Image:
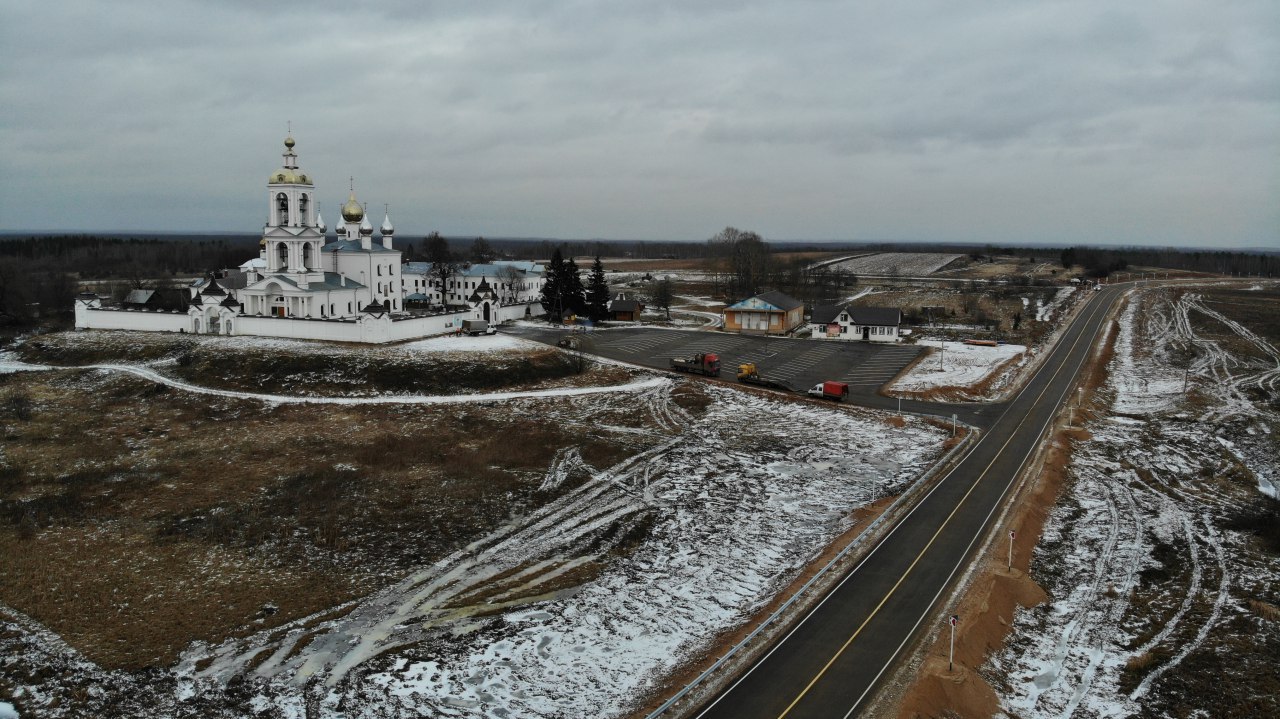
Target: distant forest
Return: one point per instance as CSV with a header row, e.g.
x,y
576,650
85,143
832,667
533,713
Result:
x,y
39,275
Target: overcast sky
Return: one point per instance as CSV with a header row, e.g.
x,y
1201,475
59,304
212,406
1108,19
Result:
x,y
1088,121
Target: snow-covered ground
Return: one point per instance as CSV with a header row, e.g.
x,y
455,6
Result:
x,y
1046,312
1141,572
685,539
955,364
907,264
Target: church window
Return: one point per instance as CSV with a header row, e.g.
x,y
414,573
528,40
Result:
x,y
282,209
302,209
282,253
348,308
379,270
306,256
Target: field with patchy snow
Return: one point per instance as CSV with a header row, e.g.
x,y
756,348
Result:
x,y
962,372
607,539
897,264
1162,560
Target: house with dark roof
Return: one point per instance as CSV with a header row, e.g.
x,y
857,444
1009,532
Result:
x,y
773,313
625,308
849,322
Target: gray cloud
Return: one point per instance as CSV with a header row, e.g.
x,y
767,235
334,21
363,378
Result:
x,y
1007,122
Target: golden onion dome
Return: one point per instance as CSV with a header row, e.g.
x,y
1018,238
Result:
x,y
286,176
352,211
288,142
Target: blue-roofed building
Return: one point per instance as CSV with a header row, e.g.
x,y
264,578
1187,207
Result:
x,y
773,313
504,282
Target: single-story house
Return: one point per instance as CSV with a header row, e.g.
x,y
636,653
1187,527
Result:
x,y
848,322
772,313
625,309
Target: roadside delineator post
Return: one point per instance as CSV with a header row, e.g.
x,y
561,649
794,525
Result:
x,y
1012,536
953,424
952,658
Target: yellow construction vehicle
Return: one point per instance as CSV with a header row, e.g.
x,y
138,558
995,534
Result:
x,y
748,374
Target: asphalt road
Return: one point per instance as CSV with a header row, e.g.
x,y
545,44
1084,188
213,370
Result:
x,y
797,363
830,663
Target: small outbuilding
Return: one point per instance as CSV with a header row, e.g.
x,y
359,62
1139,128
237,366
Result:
x,y
624,308
848,322
773,313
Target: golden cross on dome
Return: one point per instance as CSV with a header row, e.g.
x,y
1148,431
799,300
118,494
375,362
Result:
x,y
353,183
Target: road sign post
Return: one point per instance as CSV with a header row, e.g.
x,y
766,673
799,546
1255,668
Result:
x,y
951,659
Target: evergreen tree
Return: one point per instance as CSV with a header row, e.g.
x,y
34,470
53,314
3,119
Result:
x,y
552,290
482,252
575,295
597,293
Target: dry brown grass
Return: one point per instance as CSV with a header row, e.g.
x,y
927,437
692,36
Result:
x,y
1265,610
134,520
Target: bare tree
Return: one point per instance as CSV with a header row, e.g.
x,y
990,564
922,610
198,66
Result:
x,y
663,294
443,264
509,281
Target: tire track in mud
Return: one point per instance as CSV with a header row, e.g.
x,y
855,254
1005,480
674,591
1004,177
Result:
x,y
571,531
1077,667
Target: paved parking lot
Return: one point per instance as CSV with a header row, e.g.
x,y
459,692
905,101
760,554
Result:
x,y
798,363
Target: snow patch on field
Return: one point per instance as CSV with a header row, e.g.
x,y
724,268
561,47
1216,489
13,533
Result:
x,y
470,345
1046,312
954,364
906,264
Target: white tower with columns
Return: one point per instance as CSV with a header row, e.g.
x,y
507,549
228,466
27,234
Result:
x,y
292,236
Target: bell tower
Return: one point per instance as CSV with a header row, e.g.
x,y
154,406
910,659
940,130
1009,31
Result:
x,y
292,238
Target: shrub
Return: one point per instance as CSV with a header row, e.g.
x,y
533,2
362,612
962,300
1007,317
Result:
x,y
18,405
1261,519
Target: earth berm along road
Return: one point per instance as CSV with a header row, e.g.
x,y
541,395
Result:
x,y
829,664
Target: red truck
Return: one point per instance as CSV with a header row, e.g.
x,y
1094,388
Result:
x,y
703,363
830,390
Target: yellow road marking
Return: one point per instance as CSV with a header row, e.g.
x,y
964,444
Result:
x,y
915,561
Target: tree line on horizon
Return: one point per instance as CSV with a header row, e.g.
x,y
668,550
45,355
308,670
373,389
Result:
x,y
39,275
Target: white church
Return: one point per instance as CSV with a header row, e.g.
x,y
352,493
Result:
x,y
304,285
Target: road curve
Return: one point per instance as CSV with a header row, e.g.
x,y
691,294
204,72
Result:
x,y
830,663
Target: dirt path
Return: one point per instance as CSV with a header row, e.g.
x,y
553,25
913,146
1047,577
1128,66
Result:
x,y
153,376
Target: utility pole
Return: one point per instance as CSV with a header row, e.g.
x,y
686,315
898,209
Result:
x,y
952,657
942,354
